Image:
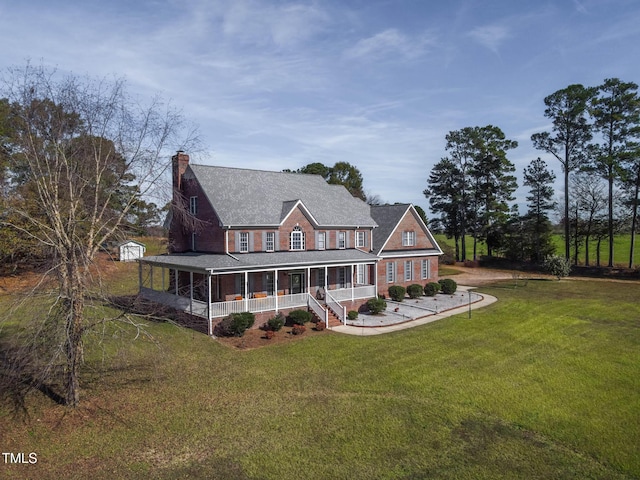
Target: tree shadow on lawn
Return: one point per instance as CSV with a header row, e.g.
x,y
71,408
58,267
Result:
x,y
22,371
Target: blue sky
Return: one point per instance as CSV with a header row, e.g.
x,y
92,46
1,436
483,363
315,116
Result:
x,y
280,84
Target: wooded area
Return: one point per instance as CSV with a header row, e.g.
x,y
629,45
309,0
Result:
x,y
595,137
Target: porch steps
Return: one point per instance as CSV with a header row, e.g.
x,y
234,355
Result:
x,y
333,320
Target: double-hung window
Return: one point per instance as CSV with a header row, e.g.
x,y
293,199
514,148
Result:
x,y
193,205
408,271
244,242
361,274
342,240
391,272
270,241
297,239
408,239
426,269
361,239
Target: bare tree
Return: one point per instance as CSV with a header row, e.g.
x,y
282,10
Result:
x,y
591,201
84,153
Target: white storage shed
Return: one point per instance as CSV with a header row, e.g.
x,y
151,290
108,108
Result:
x,y
130,250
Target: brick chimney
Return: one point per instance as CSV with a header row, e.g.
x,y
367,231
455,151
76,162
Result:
x,y
179,163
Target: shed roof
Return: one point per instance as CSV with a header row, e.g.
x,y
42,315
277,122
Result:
x,y
127,242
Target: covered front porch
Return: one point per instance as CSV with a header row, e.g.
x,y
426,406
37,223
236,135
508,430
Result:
x,y
212,287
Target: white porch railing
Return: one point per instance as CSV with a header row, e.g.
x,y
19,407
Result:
x,y
318,309
337,309
364,291
291,301
255,305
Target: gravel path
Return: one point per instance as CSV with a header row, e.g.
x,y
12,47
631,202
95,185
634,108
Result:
x,y
407,310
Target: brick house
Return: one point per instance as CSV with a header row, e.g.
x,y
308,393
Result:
x,y
266,242
406,248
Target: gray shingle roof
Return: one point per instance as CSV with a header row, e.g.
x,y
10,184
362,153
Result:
x,y
387,217
247,198
220,263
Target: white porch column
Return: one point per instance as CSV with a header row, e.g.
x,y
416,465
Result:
x,y
308,280
191,293
375,278
275,287
353,295
246,291
326,279
139,277
209,304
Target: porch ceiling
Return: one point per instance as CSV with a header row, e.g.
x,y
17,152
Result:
x,y
222,263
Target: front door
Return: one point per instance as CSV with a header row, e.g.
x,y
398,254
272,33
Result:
x,y
297,282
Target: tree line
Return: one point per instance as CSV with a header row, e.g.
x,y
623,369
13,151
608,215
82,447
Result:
x,y
594,136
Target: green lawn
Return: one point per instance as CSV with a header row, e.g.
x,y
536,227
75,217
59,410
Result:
x,y
620,249
542,384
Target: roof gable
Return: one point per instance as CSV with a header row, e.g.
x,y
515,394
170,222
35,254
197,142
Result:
x,y
388,217
254,198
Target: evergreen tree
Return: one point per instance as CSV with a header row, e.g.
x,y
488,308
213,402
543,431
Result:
x,y
616,113
568,141
539,201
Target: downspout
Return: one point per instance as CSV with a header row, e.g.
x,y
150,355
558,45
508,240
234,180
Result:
x,y
226,244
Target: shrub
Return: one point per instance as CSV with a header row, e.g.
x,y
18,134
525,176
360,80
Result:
x,y
352,314
298,329
276,323
396,292
236,324
415,291
449,286
300,317
558,266
431,288
376,305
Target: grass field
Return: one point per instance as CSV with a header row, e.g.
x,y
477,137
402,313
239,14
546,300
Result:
x,y
542,384
620,249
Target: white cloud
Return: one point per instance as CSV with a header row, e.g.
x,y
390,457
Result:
x,y
389,42
490,36
284,26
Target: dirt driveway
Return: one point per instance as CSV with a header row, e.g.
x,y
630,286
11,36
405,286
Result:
x,y
477,276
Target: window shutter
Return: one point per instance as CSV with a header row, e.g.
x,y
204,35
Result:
x,y
276,246
347,239
251,245
264,241
236,235
317,236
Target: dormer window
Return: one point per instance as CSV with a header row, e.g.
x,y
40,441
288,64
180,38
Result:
x,y
244,242
296,241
